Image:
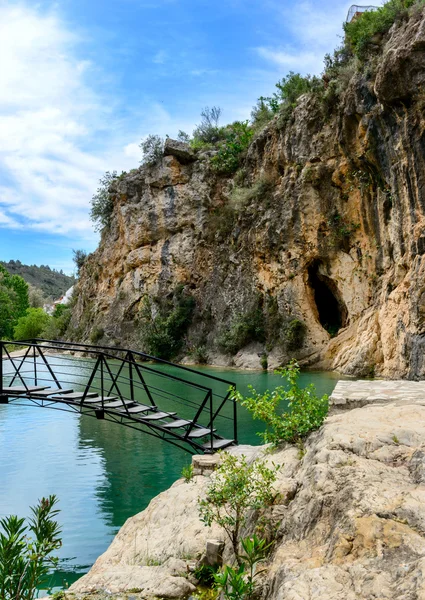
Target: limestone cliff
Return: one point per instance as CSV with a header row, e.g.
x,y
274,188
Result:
x,y
322,227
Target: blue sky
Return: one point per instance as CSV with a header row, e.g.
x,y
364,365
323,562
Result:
x,y
82,82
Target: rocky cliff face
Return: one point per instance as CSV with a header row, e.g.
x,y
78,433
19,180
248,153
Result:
x,y
321,231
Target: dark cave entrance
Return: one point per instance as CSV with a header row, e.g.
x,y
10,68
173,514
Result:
x,y
331,309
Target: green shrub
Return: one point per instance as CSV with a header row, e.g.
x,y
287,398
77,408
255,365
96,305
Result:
x,y
36,298
231,150
289,412
102,202
79,258
260,193
187,473
294,334
205,574
237,583
164,323
341,231
184,137
236,488
360,32
199,354
96,334
208,130
264,363
25,562
244,328
13,301
289,90
153,149
31,325
51,330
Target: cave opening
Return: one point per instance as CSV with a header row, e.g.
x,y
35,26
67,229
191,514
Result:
x,y
331,309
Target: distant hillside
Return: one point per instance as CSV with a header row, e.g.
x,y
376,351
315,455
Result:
x,y
51,282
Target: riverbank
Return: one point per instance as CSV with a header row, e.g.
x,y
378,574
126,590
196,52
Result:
x,y
350,519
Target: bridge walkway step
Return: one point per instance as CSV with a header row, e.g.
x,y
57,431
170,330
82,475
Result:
x,y
121,406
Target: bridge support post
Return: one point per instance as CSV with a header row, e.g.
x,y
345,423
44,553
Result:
x,y
4,399
100,414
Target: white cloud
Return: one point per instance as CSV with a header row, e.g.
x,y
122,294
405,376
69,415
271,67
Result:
x,y
160,57
317,30
49,116
306,62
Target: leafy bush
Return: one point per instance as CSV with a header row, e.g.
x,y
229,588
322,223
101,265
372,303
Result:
x,y
13,301
187,473
102,203
31,325
341,231
205,574
238,583
262,113
261,192
199,354
244,328
289,90
236,141
294,334
236,487
79,258
7,311
164,323
51,330
208,131
184,137
153,149
25,562
57,326
360,32
290,412
96,334
36,297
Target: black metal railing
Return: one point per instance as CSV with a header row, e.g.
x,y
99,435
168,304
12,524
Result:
x,y
116,383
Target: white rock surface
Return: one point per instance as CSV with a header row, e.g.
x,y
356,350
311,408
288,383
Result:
x,y
350,519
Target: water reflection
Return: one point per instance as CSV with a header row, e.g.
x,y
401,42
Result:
x,y
101,472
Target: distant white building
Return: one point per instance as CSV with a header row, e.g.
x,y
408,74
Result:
x,y
66,298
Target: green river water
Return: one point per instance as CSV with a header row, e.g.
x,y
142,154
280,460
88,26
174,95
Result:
x,y
102,472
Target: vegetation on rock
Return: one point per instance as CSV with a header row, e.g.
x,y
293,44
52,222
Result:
x,y
164,321
289,411
102,203
237,487
361,32
237,583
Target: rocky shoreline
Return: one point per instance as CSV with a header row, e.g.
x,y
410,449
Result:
x,y
350,519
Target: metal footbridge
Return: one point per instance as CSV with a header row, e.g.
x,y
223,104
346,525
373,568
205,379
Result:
x,y
189,408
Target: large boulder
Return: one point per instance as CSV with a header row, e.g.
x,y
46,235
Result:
x,y
183,152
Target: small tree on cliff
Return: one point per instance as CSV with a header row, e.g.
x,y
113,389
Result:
x,y
102,204
236,488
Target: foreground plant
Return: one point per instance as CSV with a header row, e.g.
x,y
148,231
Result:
x,y
236,488
238,583
289,412
26,561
